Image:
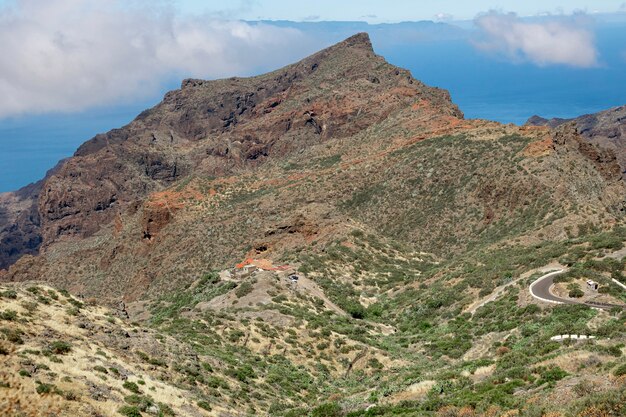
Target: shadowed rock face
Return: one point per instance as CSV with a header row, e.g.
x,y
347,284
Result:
x,y
606,129
19,224
214,128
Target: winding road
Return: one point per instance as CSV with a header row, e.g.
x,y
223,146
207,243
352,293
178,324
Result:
x,y
540,289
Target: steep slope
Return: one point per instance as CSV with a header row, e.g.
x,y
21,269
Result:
x,y
62,357
218,127
19,224
20,221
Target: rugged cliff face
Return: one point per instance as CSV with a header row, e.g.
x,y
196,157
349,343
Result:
x,y
19,224
606,130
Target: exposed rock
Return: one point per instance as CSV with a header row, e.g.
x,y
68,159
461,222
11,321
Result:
x,y
606,129
19,224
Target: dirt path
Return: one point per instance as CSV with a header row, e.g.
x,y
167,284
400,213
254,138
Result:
x,y
310,287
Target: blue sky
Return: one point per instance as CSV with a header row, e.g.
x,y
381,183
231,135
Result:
x,y
375,11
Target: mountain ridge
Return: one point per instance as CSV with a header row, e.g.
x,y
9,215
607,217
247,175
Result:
x,y
149,153
237,133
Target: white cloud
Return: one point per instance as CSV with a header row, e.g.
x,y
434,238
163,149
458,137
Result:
x,y
622,8
556,40
67,55
443,17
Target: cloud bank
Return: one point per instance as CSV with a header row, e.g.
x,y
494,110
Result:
x,y
68,55
558,40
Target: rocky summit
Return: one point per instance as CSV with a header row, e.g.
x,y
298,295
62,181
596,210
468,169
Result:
x,y
330,239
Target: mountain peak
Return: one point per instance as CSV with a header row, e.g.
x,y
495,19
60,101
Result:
x,y
222,127
360,40
358,44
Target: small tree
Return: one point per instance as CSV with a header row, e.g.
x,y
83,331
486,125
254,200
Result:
x,y
575,291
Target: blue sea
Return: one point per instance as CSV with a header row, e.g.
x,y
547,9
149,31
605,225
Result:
x,y
483,86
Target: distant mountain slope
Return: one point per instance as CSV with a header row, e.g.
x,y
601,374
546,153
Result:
x,y
606,129
19,224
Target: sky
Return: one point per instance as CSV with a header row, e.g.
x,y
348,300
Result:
x,y
376,11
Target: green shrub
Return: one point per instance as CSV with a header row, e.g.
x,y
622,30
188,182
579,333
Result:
x,y
375,364
13,335
165,410
44,388
152,361
243,289
8,315
60,347
139,401
99,368
129,411
131,386
575,291
551,375
204,405
12,294
243,373
620,370
327,410
355,309
33,290
216,382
